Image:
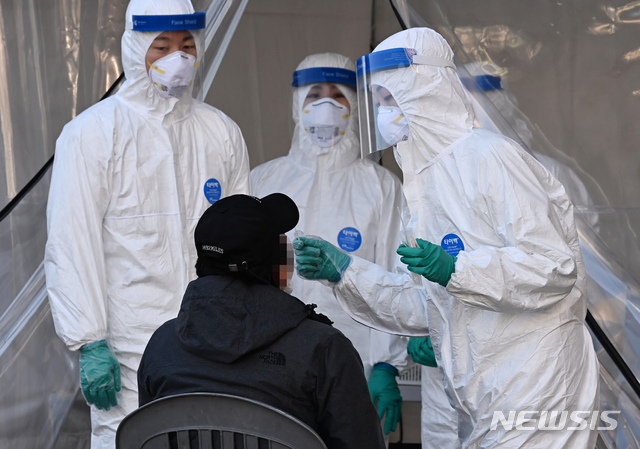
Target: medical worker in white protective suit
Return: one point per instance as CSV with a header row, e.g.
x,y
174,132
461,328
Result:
x,y
132,175
503,288
351,201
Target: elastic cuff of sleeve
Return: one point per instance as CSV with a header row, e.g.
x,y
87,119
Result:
x,y
387,367
341,270
346,265
92,345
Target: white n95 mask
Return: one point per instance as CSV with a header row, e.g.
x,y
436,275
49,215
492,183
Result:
x,y
173,74
392,124
326,121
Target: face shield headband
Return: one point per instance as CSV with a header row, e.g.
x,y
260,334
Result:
x,y
323,75
173,74
325,120
172,22
382,123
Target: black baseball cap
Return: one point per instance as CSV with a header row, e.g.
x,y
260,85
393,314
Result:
x,y
239,232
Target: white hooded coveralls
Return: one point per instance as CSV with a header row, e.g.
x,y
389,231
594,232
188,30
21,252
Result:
x,y
334,190
508,331
127,190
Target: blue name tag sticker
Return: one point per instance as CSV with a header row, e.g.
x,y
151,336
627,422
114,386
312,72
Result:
x,y
349,239
452,244
212,190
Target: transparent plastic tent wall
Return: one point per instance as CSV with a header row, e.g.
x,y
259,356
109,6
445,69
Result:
x,y
56,59
570,75
570,72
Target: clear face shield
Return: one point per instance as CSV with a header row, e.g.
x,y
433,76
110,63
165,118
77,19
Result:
x,y
382,121
325,111
172,74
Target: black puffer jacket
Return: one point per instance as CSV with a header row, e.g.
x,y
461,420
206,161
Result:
x,y
238,337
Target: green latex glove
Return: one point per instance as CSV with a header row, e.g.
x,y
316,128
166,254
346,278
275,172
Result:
x,y
99,374
319,259
384,388
429,260
421,351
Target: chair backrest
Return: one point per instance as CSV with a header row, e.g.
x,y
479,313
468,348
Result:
x,y
213,421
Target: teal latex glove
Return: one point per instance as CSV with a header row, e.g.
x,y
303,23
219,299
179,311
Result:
x,y
99,374
421,351
429,260
319,259
384,388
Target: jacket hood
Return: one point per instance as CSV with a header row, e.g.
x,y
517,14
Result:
x,y
223,318
432,98
137,89
303,150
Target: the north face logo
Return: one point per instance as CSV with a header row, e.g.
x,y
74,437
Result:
x,y
274,358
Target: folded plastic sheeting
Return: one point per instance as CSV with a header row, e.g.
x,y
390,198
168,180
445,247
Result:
x,y
617,396
56,59
39,376
222,20
23,234
614,298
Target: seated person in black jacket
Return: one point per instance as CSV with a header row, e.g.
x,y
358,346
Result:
x,y
238,333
